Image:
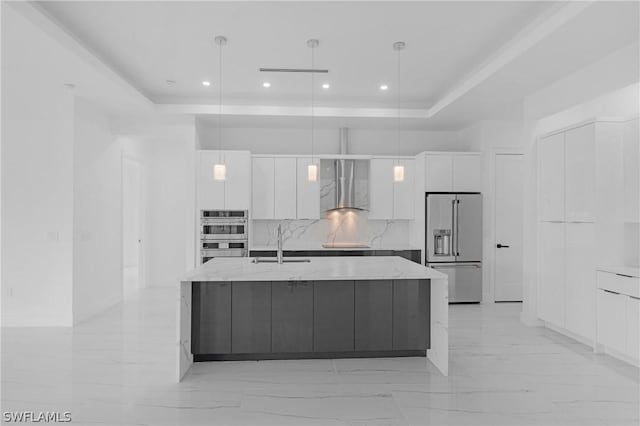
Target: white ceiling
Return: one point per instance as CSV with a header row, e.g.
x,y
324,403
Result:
x,y
151,41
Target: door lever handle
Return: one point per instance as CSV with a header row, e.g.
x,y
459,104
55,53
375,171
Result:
x,y
501,246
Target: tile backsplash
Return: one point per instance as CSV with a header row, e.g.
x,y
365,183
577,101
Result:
x,y
346,227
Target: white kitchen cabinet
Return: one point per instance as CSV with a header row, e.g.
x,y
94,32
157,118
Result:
x,y
631,171
633,327
438,173
234,193
611,322
551,286
551,177
381,187
285,191
580,278
308,193
580,166
403,192
237,193
467,173
263,188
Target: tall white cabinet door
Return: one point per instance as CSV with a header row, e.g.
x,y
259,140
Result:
x,y
633,327
237,194
631,171
403,192
467,173
308,200
551,177
381,200
580,174
286,174
551,287
263,186
580,278
438,173
210,192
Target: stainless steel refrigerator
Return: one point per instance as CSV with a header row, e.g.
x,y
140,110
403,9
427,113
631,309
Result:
x,y
454,242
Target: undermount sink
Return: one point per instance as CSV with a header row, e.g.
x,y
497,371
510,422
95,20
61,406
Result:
x,y
274,260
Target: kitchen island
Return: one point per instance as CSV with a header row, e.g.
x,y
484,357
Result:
x,y
324,307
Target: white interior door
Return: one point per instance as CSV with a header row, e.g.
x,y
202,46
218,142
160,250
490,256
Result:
x,y
131,227
508,226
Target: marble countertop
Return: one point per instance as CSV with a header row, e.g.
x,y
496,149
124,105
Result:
x,y
319,269
632,271
313,247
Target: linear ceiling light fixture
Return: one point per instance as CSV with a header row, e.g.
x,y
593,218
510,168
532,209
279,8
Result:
x,y
304,70
398,169
220,168
312,169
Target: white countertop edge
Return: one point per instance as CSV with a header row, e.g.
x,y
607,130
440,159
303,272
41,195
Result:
x,y
326,268
320,248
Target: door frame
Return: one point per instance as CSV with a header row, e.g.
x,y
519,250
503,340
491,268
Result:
x,y
491,270
141,222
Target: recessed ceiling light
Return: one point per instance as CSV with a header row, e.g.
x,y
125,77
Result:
x,y
384,87
266,84
326,86
170,82
206,83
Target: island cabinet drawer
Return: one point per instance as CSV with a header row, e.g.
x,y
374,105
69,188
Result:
x,y
619,283
292,316
373,315
333,316
211,318
411,329
250,317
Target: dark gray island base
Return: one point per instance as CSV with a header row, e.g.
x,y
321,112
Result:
x,y
319,307
257,320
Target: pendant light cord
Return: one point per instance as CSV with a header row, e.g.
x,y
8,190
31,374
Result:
x,y
220,102
398,110
313,82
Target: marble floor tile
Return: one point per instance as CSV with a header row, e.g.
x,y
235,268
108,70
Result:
x,y
118,368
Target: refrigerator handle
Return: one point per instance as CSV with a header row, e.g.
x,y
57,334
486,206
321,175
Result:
x,y
454,233
457,253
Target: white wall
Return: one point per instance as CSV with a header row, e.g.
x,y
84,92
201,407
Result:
x,y
97,220
297,141
490,137
609,88
37,187
168,182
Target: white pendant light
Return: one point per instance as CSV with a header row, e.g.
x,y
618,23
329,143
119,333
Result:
x,y
220,168
398,169
312,169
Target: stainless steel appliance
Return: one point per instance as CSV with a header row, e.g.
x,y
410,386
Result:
x,y
223,233
454,242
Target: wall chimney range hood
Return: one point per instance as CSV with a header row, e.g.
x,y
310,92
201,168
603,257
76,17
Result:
x,y
346,171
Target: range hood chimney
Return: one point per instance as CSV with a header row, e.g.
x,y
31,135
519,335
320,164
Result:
x,y
345,188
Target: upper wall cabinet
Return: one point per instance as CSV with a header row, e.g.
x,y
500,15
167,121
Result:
x,y
280,189
551,178
381,200
438,173
403,192
263,188
579,160
308,193
233,193
449,172
631,171
389,199
467,173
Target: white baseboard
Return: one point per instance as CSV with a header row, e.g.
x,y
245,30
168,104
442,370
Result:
x,y
530,321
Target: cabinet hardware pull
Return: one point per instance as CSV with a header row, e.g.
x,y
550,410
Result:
x,y
609,291
624,275
501,246
633,297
